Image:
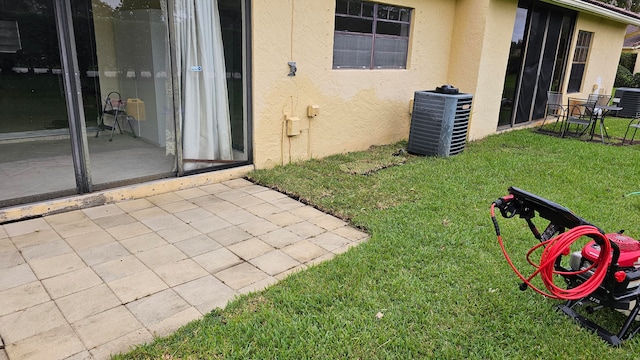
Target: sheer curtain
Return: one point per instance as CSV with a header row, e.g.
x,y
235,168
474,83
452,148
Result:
x,y
205,123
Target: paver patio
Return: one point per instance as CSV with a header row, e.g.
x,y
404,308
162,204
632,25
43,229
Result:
x,y
88,283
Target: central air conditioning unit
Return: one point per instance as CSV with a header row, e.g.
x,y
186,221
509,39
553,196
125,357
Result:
x,y
439,122
629,102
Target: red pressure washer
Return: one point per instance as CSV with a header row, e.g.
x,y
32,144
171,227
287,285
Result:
x,y
605,273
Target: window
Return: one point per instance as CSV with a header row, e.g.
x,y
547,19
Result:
x,y
370,35
579,61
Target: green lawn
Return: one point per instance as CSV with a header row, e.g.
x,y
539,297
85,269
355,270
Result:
x,y
37,102
432,267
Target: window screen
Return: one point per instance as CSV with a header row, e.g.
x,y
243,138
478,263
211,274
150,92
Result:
x,y
370,35
579,63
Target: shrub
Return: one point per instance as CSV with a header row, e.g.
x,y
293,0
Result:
x,y
628,60
624,78
635,80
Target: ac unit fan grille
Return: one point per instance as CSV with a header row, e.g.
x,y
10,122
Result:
x,y
439,123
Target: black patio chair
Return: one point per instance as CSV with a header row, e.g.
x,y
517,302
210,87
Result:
x,y
555,111
583,113
635,124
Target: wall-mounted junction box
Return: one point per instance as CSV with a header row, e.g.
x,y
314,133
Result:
x,y
313,110
293,126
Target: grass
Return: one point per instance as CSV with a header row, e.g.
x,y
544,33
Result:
x,y
432,267
33,102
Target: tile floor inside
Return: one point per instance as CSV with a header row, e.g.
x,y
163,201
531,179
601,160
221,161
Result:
x,y
41,166
89,283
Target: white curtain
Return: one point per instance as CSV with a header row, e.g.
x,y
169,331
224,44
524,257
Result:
x,y
206,129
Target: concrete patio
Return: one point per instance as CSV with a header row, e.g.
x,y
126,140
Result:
x,y
89,283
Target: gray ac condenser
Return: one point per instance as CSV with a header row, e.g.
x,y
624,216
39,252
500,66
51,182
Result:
x,y
439,123
629,102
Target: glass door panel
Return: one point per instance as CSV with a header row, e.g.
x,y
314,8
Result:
x,y
532,62
132,135
513,68
536,63
212,86
34,127
231,23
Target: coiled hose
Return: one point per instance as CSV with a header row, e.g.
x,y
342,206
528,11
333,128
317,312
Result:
x,y
556,247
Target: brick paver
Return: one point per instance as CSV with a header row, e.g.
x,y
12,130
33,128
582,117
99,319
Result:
x,y
89,283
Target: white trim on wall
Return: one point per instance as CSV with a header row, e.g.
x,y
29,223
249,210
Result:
x,y
594,9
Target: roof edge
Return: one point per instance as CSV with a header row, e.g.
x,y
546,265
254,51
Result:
x,y
600,9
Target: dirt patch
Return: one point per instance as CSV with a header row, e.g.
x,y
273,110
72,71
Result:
x,y
369,166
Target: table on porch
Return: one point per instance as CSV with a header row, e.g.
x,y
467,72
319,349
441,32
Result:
x,y
600,113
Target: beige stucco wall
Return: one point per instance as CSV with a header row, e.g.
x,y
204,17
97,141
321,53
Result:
x,y
604,54
358,108
479,56
460,42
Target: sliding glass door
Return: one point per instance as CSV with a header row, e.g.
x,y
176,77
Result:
x,y
34,128
133,134
210,85
537,61
103,93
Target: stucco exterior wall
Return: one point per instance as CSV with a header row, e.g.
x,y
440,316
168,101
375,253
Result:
x,y
479,56
604,54
357,108
461,42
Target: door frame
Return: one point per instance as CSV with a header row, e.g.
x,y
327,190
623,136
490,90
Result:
x,y
73,95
